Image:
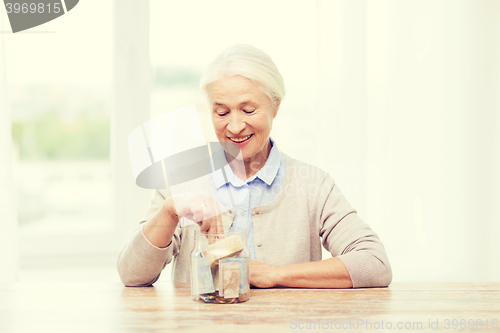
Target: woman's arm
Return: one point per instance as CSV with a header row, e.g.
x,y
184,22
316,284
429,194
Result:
x,y
140,262
359,257
328,273
160,229
156,241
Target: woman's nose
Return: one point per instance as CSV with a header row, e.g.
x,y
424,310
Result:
x,y
236,125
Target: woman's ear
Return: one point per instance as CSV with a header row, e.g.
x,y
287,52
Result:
x,y
277,103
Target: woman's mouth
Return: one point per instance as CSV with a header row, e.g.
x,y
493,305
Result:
x,y
241,139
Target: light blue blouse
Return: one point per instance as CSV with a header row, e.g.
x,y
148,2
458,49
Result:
x,y
260,189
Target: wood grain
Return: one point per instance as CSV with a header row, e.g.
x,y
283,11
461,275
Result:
x,y
77,307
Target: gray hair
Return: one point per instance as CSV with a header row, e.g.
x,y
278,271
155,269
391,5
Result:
x,y
250,62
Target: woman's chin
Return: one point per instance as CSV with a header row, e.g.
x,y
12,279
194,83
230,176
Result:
x,y
230,148
233,152
238,157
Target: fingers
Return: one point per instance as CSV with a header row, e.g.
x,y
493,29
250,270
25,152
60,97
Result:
x,y
202,208
206,210
216,230
212,233
214,223
205,217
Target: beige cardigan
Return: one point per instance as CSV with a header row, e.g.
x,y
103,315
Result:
x,y
308,210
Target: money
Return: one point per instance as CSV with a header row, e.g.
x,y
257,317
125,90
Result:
x,y
243,268
230,279
202,276
226,247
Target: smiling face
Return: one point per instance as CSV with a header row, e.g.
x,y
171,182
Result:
x,y
242,115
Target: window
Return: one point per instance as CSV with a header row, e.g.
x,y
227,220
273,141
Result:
x,y
60,98
195,37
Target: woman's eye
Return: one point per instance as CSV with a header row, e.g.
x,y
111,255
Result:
x,y
249,110
221,112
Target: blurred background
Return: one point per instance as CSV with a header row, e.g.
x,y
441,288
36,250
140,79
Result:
x,y
398,100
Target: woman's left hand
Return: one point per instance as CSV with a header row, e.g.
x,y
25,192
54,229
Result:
x,y
263,275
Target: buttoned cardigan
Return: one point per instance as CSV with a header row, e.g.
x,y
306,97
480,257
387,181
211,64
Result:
x,y
308,212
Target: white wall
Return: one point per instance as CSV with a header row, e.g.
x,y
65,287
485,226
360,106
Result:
x,y
9,243
132,75
411,89
399,100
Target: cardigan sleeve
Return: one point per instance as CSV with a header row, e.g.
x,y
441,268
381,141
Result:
x,y
347,237
140,262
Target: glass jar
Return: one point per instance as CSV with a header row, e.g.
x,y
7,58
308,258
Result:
x,y
220,267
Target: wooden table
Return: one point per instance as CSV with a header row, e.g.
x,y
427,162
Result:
x,y
110,307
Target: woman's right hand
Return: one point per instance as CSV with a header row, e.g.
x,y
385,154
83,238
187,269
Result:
x,y
201,208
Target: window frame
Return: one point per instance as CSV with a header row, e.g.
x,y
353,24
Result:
x,y
130,100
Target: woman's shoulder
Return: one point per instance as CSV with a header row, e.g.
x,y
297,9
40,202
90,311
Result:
x,y
300,170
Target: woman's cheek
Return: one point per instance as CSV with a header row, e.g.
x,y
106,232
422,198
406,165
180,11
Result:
x,y
218,126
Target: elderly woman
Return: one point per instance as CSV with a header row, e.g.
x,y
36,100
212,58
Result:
x,y
287,207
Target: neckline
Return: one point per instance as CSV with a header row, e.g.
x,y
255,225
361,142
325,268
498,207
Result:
x,y
281,194
274,156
